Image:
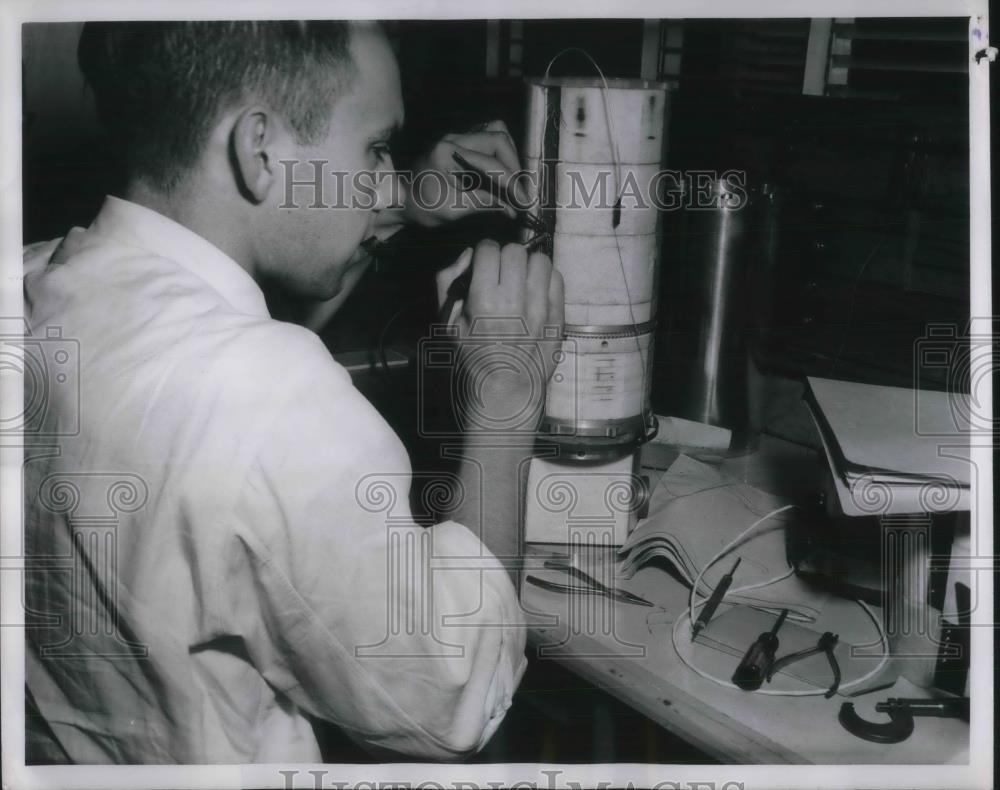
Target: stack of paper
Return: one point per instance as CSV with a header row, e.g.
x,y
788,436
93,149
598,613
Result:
x,y
694,512
891,449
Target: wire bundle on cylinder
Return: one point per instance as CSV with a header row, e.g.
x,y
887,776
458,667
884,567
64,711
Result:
x,y
595,147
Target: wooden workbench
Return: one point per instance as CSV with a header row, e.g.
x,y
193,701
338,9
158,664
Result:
x,y
627,651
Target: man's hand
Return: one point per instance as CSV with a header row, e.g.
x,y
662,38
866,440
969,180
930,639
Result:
x,y
436,196
510,333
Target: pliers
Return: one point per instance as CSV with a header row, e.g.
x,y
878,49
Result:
x,y
827,642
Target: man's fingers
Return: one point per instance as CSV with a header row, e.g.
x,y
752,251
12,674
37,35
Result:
x,y
492,143
513,275
444,278
520,189
481,192
505,178
557,301
506,153
485,268
501,127
536,291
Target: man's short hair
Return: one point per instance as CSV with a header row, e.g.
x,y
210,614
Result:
x,y
161,86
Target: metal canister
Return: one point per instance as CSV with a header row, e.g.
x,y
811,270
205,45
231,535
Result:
x,y
730,250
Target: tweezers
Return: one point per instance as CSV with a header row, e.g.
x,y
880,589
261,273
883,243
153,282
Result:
x,y
590,587
487,182
583,589
586,578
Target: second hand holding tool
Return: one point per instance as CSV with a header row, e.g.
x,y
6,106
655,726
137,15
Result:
x,y
459,288
499,191
503,193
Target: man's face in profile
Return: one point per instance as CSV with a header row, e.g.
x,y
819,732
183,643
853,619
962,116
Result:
x,y
315,247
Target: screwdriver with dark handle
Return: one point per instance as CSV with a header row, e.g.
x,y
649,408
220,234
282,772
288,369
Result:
x,y
753,669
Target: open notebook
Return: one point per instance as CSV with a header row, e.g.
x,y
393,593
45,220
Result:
x,y
892,449
694,512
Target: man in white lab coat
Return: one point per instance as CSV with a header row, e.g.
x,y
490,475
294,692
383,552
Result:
x,y
219,538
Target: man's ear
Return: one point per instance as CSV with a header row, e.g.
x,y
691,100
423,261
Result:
x,y
252,149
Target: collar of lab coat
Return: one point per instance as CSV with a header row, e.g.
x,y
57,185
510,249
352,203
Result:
x,y
148,229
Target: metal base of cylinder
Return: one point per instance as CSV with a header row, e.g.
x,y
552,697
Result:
x,y
591,440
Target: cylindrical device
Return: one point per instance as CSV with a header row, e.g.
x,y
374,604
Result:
x,y
596,148
598,397
728,267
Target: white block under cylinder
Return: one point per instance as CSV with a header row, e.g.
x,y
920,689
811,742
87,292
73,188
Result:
x,y
581,504
598,398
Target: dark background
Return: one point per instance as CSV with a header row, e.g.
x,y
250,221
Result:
x,y
873,177
873,240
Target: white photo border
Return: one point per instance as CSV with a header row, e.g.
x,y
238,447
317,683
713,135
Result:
x,y
14,13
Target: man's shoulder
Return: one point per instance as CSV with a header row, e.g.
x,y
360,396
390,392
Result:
x,y
83,270
140,315
105,286
39,252
305,408
278,355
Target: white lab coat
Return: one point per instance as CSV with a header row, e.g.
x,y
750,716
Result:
x,y
210,541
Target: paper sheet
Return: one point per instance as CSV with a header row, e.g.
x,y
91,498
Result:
x,y
881,494
694,512
889,430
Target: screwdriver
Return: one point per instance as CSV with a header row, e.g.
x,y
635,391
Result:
x,y
714,600
753,669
